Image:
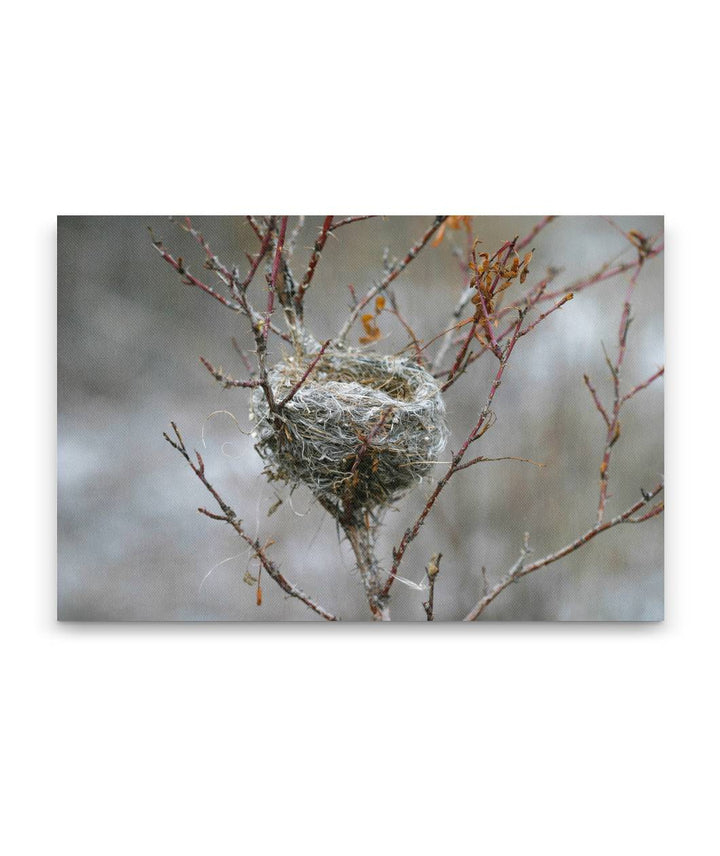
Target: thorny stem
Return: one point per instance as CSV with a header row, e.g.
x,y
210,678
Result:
x,y
238,288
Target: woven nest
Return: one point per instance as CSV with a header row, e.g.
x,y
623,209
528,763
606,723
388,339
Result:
x,y
359,432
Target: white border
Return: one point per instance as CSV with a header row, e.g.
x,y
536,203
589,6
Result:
x,y
215,739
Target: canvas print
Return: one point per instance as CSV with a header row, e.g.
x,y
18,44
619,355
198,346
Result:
x,y
360,418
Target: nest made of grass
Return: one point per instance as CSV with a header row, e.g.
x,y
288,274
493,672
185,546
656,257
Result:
x,y
360,431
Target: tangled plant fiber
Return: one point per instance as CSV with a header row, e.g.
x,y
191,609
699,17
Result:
x,y
359,432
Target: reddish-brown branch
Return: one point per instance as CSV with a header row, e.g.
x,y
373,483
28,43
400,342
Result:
x,y
520,569
305,376
241,354
312,264
601,275
226,380
563,300
362,450
643,385
346,221
526,303
538,294
482,315
254,226
272,280
654,511
256,260
187,277
229,516
231,278
411,533
536,229
613,428
397,269
597,401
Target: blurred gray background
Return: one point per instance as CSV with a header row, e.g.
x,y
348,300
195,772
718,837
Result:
x,y
131,545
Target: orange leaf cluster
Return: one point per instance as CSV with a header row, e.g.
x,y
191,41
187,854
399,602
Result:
x,y
640,241
491,277
369,322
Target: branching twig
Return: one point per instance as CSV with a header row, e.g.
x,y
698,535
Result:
x,y
187,277
411,533
229,516
226,381
389,277
519,569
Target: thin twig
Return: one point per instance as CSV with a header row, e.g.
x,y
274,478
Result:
x,y
519,569
305,376
395,310
597,401
411,533
187,277
536,229
227,381
272,280
312,264
346,221
481,459
563,300
432,571
613,428
644,385
229,516
483,315
390,276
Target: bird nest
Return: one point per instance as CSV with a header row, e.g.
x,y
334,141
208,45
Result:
x,y
359,431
